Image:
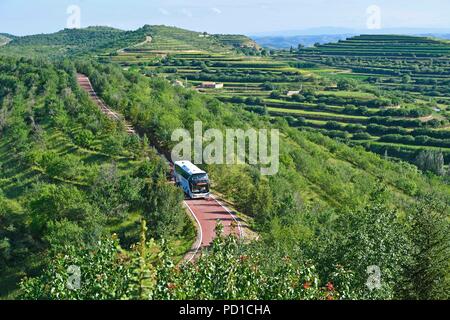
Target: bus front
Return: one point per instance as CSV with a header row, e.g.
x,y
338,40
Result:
x,y
199,184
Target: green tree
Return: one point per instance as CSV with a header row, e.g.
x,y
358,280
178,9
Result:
x,y
432,161
104,272
50,204
162,209
370,236
83,138
113,145
114,193
428,275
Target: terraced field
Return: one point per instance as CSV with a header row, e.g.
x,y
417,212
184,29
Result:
x,y
415,70
392,103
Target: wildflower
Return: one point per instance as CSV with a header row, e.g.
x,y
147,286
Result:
x,y
330,286
171,286
243,258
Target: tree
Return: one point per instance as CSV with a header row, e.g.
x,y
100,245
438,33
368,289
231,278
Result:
x,y
162,210
49,204
230,270
61,166
406,78
275,95
369,236
346,84
83,138
113,145
82,273
115,194
432,161
428,275
15,240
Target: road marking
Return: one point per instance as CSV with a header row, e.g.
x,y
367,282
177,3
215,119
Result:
x,y
200,242
241,234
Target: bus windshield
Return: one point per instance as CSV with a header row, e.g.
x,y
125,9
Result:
x,y
200,183
200,178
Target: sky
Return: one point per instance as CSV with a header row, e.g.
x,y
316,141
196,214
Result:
x,y
21,17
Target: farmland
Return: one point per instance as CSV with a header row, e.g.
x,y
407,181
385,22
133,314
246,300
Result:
x,y
394,103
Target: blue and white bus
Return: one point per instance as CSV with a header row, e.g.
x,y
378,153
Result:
x,y
193,181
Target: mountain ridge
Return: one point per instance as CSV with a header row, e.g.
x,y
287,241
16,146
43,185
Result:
x,y
101,39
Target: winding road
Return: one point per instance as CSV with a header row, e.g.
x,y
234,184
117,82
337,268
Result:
x,y
206,212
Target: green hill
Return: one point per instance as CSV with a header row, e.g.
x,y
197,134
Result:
x,y
106,40
385,46
171,39
91,40
412,72
394,121
69,174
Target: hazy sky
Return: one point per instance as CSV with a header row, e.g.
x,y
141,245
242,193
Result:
x,y
221,16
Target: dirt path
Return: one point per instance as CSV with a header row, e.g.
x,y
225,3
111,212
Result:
x,y
85,83
427,118
148,40
206,213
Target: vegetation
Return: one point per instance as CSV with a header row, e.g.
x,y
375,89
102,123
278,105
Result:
x,y
411,69
71,178
60,180
308,84
4,40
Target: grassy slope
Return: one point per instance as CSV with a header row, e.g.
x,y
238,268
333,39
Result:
x,y
18,179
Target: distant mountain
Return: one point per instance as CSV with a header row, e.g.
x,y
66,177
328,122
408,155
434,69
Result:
x,y
436,35
308,37
353,31
293,41
307,32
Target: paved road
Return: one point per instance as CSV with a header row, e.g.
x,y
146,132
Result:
x,y
206,213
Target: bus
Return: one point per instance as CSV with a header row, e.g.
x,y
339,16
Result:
x,y
193,181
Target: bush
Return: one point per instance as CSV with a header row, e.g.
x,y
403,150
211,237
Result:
x,y
83,138
113,145
61,166
362,136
